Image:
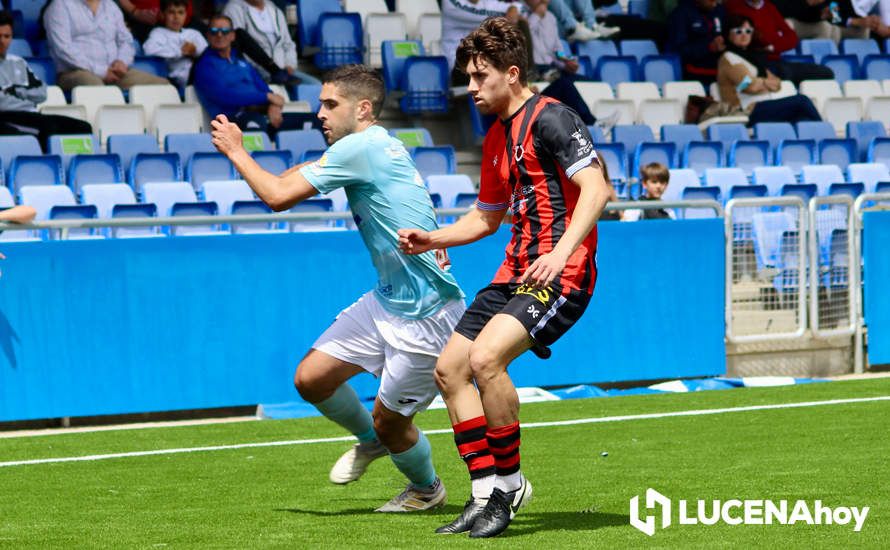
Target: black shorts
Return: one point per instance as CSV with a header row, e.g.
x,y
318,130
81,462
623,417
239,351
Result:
x,y
546,313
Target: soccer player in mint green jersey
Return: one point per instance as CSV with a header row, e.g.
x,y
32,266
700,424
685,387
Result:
x,y
395,331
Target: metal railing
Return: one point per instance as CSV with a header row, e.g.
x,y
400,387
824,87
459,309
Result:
x,y
863,202
834,277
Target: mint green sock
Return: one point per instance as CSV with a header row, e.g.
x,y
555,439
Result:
x,y
345,408
417,462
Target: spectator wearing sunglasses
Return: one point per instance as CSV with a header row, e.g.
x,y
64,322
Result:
x,y
227,84
774,35
90,45
746,81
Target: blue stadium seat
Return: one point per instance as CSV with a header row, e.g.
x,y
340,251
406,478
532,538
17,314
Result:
x,y
151,65
185,145
787,281
749,154
595,49
311,155
660,69
196,208
863,132
208,166
774,132
104,196
153,167
838,259
648,152
876,67
818,48
313,206
165,195
614,69
774,177
845,67
20,47
768,228
75,212
631,135
681,134
860,47
748,191
149,210
596,133
275,162
30,10
465,200
879,150
822,176
638,48
297,141
44,197
851,189
434,160
868,173
795,154
681,178
883,187
437,200
66,146
253,207
448,187
395,52
699,193
225,193
585,68
94,169
727,133
13,146
615,157
44,69
308,14
18,21
815,130
805,191
310,93
791,57
340,40
426,85
481,123
412,137
701,155
127,145
725,179
841,152
40,170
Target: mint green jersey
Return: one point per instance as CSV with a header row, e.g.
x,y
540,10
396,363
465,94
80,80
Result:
x,y
386,193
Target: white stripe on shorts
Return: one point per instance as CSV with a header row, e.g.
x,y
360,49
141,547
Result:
x,y
550,313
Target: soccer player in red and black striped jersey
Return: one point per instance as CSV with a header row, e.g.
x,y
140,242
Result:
x,y
537,161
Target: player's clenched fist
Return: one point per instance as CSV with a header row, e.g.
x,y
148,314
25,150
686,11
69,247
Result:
x,y
414,241
225,135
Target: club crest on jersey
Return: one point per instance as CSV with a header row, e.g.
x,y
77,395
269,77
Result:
x,y
584,145
518,152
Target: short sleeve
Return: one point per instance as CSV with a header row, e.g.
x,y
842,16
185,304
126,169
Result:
x,y
493,178
562,134
344,163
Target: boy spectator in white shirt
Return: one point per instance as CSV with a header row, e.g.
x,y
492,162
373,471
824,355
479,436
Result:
x,y
177,45
655,177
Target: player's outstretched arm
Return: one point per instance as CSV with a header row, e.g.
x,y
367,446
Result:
x,y
591,202
18,214
279,192
471,227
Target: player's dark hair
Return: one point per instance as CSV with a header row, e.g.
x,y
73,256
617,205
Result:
x,y
169,3
358,82
499,43
6,19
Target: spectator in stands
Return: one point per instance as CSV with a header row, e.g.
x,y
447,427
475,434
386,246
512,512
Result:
x,y
577,20
745,80
695,33
91,45
143,15
266,24
636,26
461,17
774,35
655,178
21,91
175,44
831,19
876,14
229,85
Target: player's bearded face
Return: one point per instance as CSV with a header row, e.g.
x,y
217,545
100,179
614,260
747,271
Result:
x,y
488,87
338,114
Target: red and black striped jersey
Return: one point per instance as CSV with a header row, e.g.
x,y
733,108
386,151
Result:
x,y
527,163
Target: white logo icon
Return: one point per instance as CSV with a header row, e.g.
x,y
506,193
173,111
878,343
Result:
x,y
533,311
494,161
653,498
518,152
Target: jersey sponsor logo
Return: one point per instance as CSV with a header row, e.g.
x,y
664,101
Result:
x,y
540,294
518,152
533,311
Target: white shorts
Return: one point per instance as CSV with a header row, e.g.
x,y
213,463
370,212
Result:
x,y
401,352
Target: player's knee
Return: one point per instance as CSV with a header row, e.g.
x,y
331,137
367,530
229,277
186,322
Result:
x,y
309,387
483,363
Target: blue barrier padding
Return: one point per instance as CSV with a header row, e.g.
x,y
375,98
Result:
x,y
124,326
876,304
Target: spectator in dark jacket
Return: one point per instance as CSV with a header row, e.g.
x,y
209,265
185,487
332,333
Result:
x,y
694,32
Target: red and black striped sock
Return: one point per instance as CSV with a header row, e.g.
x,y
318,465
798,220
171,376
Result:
x,y
472,444
504,444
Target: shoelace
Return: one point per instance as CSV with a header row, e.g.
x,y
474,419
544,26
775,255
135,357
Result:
x,y
500,499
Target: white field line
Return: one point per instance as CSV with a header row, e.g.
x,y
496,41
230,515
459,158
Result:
x,y
603,419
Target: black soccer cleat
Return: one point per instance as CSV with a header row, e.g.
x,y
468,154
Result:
x,y
500,510
464,522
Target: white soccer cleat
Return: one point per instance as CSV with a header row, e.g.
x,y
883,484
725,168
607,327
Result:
x,y
355,461
413,499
